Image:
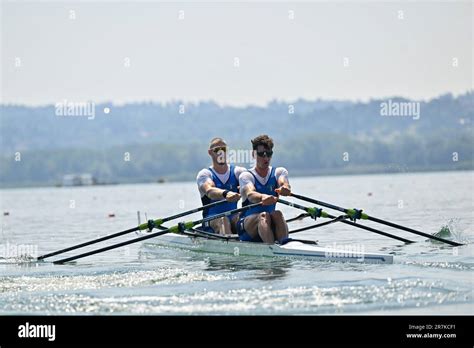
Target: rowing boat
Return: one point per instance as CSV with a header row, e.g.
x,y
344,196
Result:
x,y
293,249
184,235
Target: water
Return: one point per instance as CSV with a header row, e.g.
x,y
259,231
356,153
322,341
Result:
x,y
426,278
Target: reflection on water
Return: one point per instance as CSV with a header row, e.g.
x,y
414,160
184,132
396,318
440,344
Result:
x,y
263,268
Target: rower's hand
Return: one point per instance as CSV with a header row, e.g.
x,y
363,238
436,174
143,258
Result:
x,y
232,196
269,200
283,191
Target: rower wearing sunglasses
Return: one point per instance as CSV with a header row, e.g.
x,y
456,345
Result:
x,y
263,183
218,182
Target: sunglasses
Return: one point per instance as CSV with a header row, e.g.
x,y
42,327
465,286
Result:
x,y
265,153
218,149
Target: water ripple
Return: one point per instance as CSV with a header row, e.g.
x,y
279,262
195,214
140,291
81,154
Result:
x,y
99,281
262,300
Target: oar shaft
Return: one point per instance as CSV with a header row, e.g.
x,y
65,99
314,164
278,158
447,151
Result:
x,y
299,217
74,247
292,204
310,227
324,204
367,228
189,212
311,211
374,219
110,247
118,234
295,205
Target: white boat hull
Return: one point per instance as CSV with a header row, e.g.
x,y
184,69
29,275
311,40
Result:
x,y
292,249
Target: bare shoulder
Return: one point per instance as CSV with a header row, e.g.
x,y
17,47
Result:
x,y
281,171
203,174
246,177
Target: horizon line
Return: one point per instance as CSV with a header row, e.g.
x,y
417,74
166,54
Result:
x,y
266,104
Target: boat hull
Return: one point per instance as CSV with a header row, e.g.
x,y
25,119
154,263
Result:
x,y
292,249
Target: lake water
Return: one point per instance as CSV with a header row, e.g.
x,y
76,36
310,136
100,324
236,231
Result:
x,y
426,277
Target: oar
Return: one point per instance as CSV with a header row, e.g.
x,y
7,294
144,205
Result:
x,y
324,214
358,214
204,234
173,229
151,223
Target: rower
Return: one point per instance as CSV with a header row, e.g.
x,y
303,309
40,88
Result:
x,y
263,183
219,181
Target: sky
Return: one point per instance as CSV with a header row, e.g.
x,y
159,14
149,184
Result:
x,y
233,53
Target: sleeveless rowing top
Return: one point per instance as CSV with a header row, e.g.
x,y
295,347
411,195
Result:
x,y
231,185
268,189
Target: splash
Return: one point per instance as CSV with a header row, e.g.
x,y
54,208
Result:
x,y
21,259
452,230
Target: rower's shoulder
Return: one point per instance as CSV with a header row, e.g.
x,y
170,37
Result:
x,y
246,175
204,172
281,171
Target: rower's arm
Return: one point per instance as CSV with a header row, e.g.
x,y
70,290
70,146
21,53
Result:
x,y
284,188
217,194
283,182
255,197
212,191
252,195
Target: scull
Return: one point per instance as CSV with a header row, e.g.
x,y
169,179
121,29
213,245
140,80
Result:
x,y
292,249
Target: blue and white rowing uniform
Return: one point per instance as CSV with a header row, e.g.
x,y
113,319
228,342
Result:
x,y
227,181
262,185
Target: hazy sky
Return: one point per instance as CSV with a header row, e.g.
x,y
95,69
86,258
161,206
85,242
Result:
x,y
137,51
